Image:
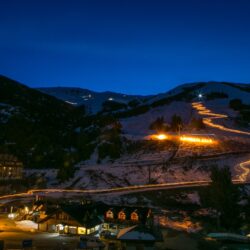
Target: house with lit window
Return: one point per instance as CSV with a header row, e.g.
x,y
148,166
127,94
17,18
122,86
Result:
x,y
72,219
89,218
118,217
10,167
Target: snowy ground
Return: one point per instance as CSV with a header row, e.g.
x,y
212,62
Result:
x,y
139,125
26,225
150,168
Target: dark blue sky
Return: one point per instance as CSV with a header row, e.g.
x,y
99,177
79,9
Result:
x,y
131,46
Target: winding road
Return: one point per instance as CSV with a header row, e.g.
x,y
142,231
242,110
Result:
x,y
244,171
209,116
244,167
116,190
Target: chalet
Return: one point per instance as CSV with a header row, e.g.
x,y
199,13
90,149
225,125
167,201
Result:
x,y
137,215
72,219
10,167
118,217
89,218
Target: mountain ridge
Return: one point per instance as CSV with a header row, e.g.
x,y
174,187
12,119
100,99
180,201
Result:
x,y
86,96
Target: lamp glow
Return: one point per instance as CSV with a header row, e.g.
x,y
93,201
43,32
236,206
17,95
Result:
x,y
161,137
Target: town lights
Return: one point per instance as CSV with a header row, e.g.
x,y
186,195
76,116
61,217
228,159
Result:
x,y
11,216
60,227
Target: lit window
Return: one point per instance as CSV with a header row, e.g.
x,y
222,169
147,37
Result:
x,y
81,230
149,213
122,215
134,216
109,214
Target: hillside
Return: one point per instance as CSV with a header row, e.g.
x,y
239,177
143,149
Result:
x,y
37,128
214,95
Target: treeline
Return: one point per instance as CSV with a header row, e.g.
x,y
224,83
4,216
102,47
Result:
x,y
176,124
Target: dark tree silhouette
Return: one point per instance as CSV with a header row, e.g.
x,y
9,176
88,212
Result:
x,y
159,124
197,123
223,197
176,123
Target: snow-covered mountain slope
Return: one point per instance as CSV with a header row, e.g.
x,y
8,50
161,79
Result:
x,y
139,125
90,99
214,95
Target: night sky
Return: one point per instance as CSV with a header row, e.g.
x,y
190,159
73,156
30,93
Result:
x,y
135,47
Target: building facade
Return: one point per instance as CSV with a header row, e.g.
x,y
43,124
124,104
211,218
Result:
x,y
71,219
10,167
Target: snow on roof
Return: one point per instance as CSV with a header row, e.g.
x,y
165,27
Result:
x,y
227,235
135,233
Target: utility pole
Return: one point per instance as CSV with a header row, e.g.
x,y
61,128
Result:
x,y
179,129
149,174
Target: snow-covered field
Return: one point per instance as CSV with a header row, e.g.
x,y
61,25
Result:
x,y
159,170
139,125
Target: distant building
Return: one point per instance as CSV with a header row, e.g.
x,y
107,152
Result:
x,y
117,217
89,218
71,219
10,167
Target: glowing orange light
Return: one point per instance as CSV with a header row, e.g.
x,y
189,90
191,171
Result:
x,y
161,137
201,140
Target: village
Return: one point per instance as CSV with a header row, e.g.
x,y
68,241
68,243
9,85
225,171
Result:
x,y
115,225
97,224
44,219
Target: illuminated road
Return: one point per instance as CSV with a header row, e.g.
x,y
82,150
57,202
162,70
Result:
x,y
210,116
244,169
116,190
128,189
